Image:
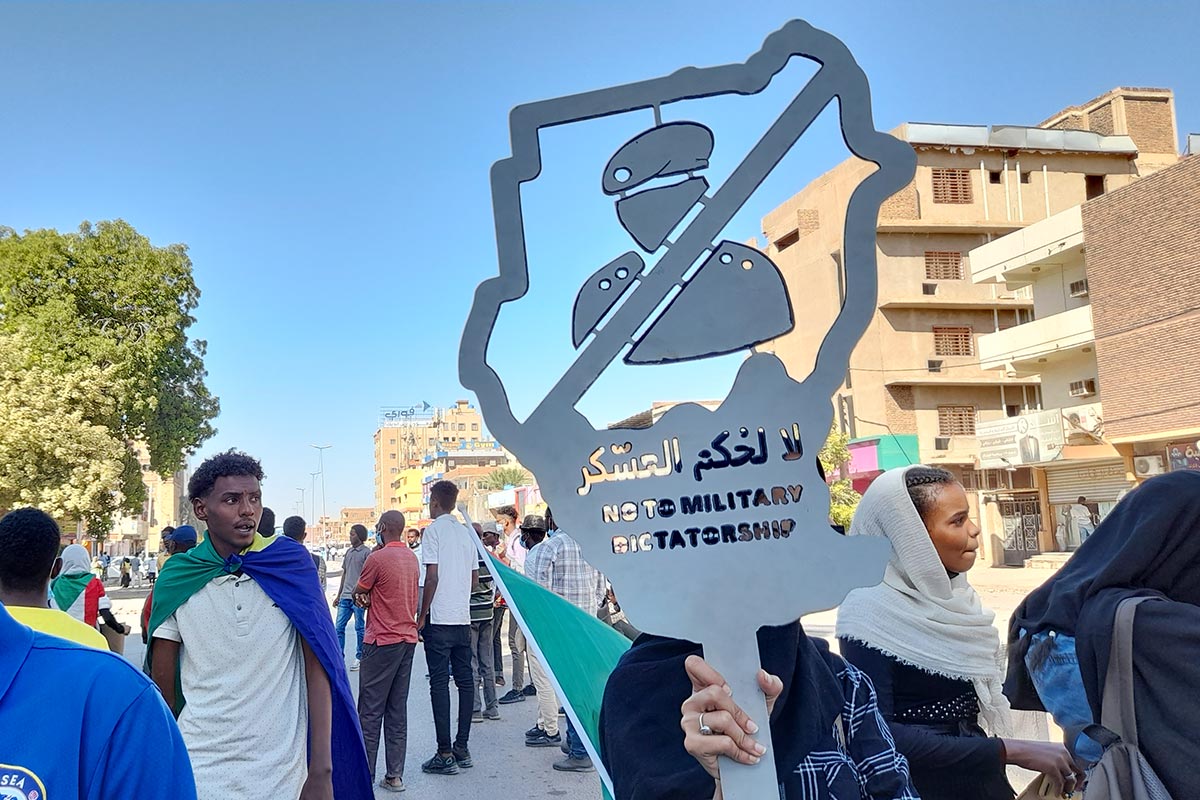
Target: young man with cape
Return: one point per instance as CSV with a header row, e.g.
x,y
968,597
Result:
x,y
243,649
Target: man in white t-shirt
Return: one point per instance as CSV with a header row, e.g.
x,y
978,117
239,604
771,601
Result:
x,y
451,572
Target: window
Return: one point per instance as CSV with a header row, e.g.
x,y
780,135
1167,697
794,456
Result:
x,y
1012,411
787,240
951,185
994,176
953,341
395,470
943,265
462,426
929,288
474,426
956,420
1079,288
1093,185
934,366
1026,177
392,456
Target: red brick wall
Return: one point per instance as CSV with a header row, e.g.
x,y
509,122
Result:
x,y
1143,265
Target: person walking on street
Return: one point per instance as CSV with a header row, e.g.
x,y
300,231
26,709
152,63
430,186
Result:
x,y
483,604
511,538
81,594
28,559
296,528
387,585
352,565
242,647
557,564
451,571
175,540
544,732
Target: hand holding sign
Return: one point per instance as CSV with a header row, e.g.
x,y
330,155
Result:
x,y
701,500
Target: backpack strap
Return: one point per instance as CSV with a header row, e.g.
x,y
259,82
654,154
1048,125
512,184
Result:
x,y
1117,712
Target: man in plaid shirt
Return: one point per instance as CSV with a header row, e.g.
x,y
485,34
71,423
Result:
x,y
557,564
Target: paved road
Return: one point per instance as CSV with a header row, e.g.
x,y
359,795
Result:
x,y
504,767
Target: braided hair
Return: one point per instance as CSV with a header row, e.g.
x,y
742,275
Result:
x,y
924,484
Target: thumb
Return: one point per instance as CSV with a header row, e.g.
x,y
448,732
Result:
x,y
771,686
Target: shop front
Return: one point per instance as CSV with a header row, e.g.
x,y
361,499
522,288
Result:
x,y
871,456
1081,495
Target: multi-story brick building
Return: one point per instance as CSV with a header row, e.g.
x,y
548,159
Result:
x,y
1116,287
915,389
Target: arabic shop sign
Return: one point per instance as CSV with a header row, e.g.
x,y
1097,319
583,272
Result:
x,y
704,500
1183,455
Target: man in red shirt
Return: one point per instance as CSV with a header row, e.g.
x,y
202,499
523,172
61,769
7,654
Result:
x,y
388,588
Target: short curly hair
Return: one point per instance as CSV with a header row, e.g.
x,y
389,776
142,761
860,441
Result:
x,y
29,540
222,465
924,484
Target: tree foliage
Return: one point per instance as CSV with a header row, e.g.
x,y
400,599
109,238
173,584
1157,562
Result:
x,y
834,457
501,477
97,356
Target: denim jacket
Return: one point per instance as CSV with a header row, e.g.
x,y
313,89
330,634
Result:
x,y
1054,668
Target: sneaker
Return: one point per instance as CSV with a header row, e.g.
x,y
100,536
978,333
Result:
x,y
545,740
354,665
392,784
463,758
499,680
477,716
491,714
534,732
513,696
529,691
566,748
569,764
441,765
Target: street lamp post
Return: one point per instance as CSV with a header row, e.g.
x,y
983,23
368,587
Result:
x,y
314,494
321,448
300,489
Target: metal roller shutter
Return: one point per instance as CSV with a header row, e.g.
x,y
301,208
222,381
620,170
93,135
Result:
x,y
1099,482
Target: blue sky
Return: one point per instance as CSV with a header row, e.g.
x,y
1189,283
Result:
x,y
327,164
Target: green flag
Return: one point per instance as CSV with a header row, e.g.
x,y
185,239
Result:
x,y
578,651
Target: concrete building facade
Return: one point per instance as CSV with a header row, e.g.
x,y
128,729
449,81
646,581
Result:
x,y
916,389
406,444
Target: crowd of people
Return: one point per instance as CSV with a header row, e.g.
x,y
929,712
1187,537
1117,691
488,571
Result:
x,y
245,689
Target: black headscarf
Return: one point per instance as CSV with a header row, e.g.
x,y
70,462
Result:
x,y
1151,541
640,738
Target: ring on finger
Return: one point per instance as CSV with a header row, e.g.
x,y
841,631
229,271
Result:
x,y
704,729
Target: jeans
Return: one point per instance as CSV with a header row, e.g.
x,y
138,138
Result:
x,y
346,607
574,743
516,646
497,655
481,665
448,647
383,697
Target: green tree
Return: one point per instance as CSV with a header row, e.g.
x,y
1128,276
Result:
x,y
834,456
501,477
101,316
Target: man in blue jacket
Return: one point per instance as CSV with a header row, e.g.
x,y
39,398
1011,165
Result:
x,y
82,723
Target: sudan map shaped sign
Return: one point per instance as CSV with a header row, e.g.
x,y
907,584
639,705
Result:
x,y
709,523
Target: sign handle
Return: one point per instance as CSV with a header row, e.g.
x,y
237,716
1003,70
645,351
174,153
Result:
x,y
738,661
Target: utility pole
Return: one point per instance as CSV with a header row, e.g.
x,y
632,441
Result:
x,y
321,448
300,489
314,494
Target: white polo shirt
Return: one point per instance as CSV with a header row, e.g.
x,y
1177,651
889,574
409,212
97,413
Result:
x,y
448,543
242,673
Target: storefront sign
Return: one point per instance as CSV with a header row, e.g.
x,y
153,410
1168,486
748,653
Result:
x,y
1032,438
1183,455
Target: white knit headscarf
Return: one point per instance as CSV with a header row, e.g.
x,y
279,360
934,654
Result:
x,y
919,614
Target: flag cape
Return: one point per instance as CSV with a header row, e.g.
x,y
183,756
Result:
x,y
67,588
284,570
577,649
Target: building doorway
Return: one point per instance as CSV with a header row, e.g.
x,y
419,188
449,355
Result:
x,y
1022,517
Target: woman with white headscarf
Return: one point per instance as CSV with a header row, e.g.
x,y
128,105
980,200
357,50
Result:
x,y
80,593
930,647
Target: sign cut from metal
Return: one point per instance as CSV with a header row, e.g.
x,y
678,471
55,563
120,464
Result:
x,y
709,523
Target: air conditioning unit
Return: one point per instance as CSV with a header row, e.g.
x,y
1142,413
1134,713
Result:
x,y
941,443
1086,388
1145,466
1078,288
